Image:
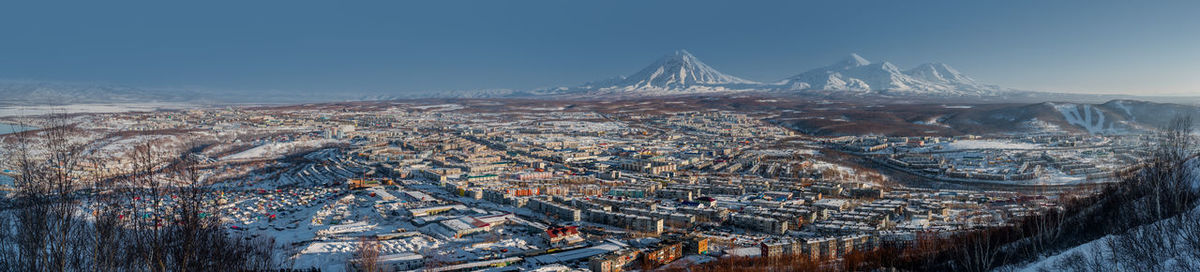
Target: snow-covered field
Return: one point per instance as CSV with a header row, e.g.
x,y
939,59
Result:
x,y
275,150
332,255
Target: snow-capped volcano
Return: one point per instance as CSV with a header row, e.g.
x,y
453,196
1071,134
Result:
x,y
854,73
680,69
851,61
676,73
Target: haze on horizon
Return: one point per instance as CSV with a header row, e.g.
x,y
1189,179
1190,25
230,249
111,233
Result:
x,y
1065,46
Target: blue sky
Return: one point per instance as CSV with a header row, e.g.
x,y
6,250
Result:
x,y
410,46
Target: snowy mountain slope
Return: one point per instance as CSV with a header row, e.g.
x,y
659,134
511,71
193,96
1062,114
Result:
x,y
1089,118
679,70
673,74
943,75
853,73
1085,256
856,74
1149,114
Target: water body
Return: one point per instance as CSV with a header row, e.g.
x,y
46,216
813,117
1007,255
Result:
x,y
13,128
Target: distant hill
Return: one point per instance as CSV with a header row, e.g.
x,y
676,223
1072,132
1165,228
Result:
x,y
51,93
1112,117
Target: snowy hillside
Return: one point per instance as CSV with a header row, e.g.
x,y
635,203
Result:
x,y
1113,117
1171,244
856,74
1121,116
1089,118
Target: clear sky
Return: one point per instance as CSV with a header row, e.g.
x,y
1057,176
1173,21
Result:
x,y
1138,47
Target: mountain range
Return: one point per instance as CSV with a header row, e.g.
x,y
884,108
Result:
x,y
856,74
678,73
683,73
25,92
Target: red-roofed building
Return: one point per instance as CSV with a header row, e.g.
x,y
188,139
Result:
x,y
563,235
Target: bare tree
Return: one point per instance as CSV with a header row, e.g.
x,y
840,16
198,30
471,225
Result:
x,y
46,206
1044,231
73,211
978,251
366,257
1165,173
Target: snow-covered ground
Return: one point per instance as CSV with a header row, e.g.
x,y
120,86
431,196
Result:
x,y
275,150
933,121
332,255
1101,246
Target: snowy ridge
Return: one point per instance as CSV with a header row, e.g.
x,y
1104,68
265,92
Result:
x,y
856,74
